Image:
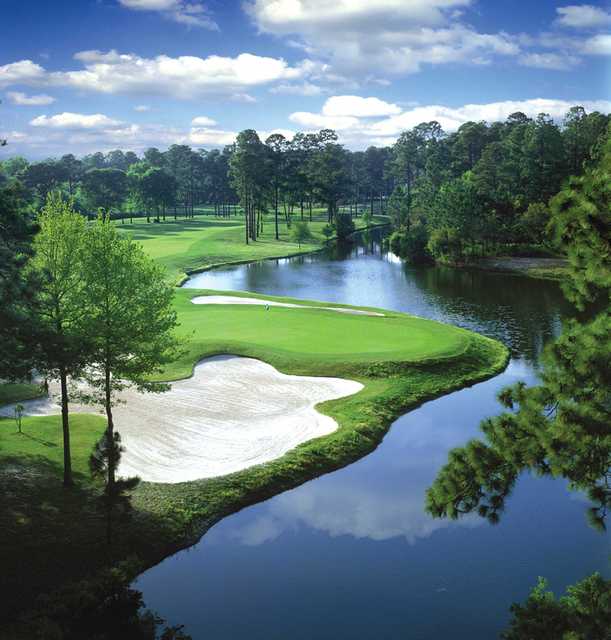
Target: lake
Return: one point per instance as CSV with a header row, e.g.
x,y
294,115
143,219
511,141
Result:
x,y
353,554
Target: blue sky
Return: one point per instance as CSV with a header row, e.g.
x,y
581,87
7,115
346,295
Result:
x,y
78,76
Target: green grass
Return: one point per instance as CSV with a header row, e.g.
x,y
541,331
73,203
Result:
x,y
184,246
50,535
18,392
317,338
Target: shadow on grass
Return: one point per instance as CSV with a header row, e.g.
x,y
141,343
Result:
x,y
51,535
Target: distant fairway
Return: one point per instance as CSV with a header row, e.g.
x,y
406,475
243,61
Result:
x,y
184,245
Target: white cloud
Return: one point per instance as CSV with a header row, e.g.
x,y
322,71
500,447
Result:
x,y
553,61
192,14
358,133
22,72
583,16
69,120
142,108
21,99
208,137
599,45
298,89
183,77
395,36
359,107
203,121
310,120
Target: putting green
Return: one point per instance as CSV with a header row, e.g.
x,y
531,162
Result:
x,y
283,336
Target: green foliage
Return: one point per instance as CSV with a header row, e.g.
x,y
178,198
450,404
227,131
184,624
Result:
x,y
581,224
412,244
344,226
104,188
17,287
583,614
106,607
560,427
300,232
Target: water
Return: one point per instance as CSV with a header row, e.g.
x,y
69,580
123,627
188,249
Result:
x,y
352,554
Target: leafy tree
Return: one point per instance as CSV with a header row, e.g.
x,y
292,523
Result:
x,y
73,171
583,614
277,146
300,232
62,346
130,321
561,426
44,177
344,226
105,188
17,287
246,170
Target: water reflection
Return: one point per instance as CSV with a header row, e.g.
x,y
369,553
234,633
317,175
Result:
x,y
352,554
523,313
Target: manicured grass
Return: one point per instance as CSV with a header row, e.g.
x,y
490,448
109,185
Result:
x,y
183,246
50,535
17,392
317,338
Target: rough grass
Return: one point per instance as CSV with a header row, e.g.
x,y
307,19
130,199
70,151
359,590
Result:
x,y
184,246
49,535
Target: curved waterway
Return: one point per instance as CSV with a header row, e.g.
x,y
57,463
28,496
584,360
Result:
x,y
352,554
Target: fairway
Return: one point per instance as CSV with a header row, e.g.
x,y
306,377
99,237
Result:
x,y
182,246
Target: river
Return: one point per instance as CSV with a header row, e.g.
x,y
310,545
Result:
x,y
352,554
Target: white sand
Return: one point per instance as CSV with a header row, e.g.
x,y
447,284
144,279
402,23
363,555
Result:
x,y
274,303
231,414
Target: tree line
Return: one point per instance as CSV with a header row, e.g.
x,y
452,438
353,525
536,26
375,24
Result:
x,y
449,196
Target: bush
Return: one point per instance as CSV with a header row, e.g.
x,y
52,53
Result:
x,y
411,245
344,226
445,244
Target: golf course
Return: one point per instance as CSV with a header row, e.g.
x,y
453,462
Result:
x,y
395,361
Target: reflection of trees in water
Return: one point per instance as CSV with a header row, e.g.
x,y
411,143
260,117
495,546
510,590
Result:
x,y
524,313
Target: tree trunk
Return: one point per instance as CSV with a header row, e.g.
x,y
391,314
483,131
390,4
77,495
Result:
x,y
276,212
68,482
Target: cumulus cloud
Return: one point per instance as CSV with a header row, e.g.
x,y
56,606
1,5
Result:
x,y
359,107
142,108
298,89
599,45
69,120
21,99
182,77
390,35
583,16
553,61
192,14
23,71
203,121
359,132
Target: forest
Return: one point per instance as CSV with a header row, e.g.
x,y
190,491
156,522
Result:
x,y
451,197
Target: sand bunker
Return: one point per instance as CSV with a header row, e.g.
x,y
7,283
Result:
x,y
231,414
274,303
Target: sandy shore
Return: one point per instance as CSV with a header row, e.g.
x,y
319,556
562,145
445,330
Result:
x,y
274,303
232,413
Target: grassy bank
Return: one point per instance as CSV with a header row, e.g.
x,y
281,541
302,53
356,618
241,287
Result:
x,y
184,246
49,535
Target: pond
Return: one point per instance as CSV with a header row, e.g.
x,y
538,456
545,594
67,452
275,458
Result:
x,y
352,554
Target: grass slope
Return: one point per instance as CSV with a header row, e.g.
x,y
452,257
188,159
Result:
x,y
184,246
49,535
